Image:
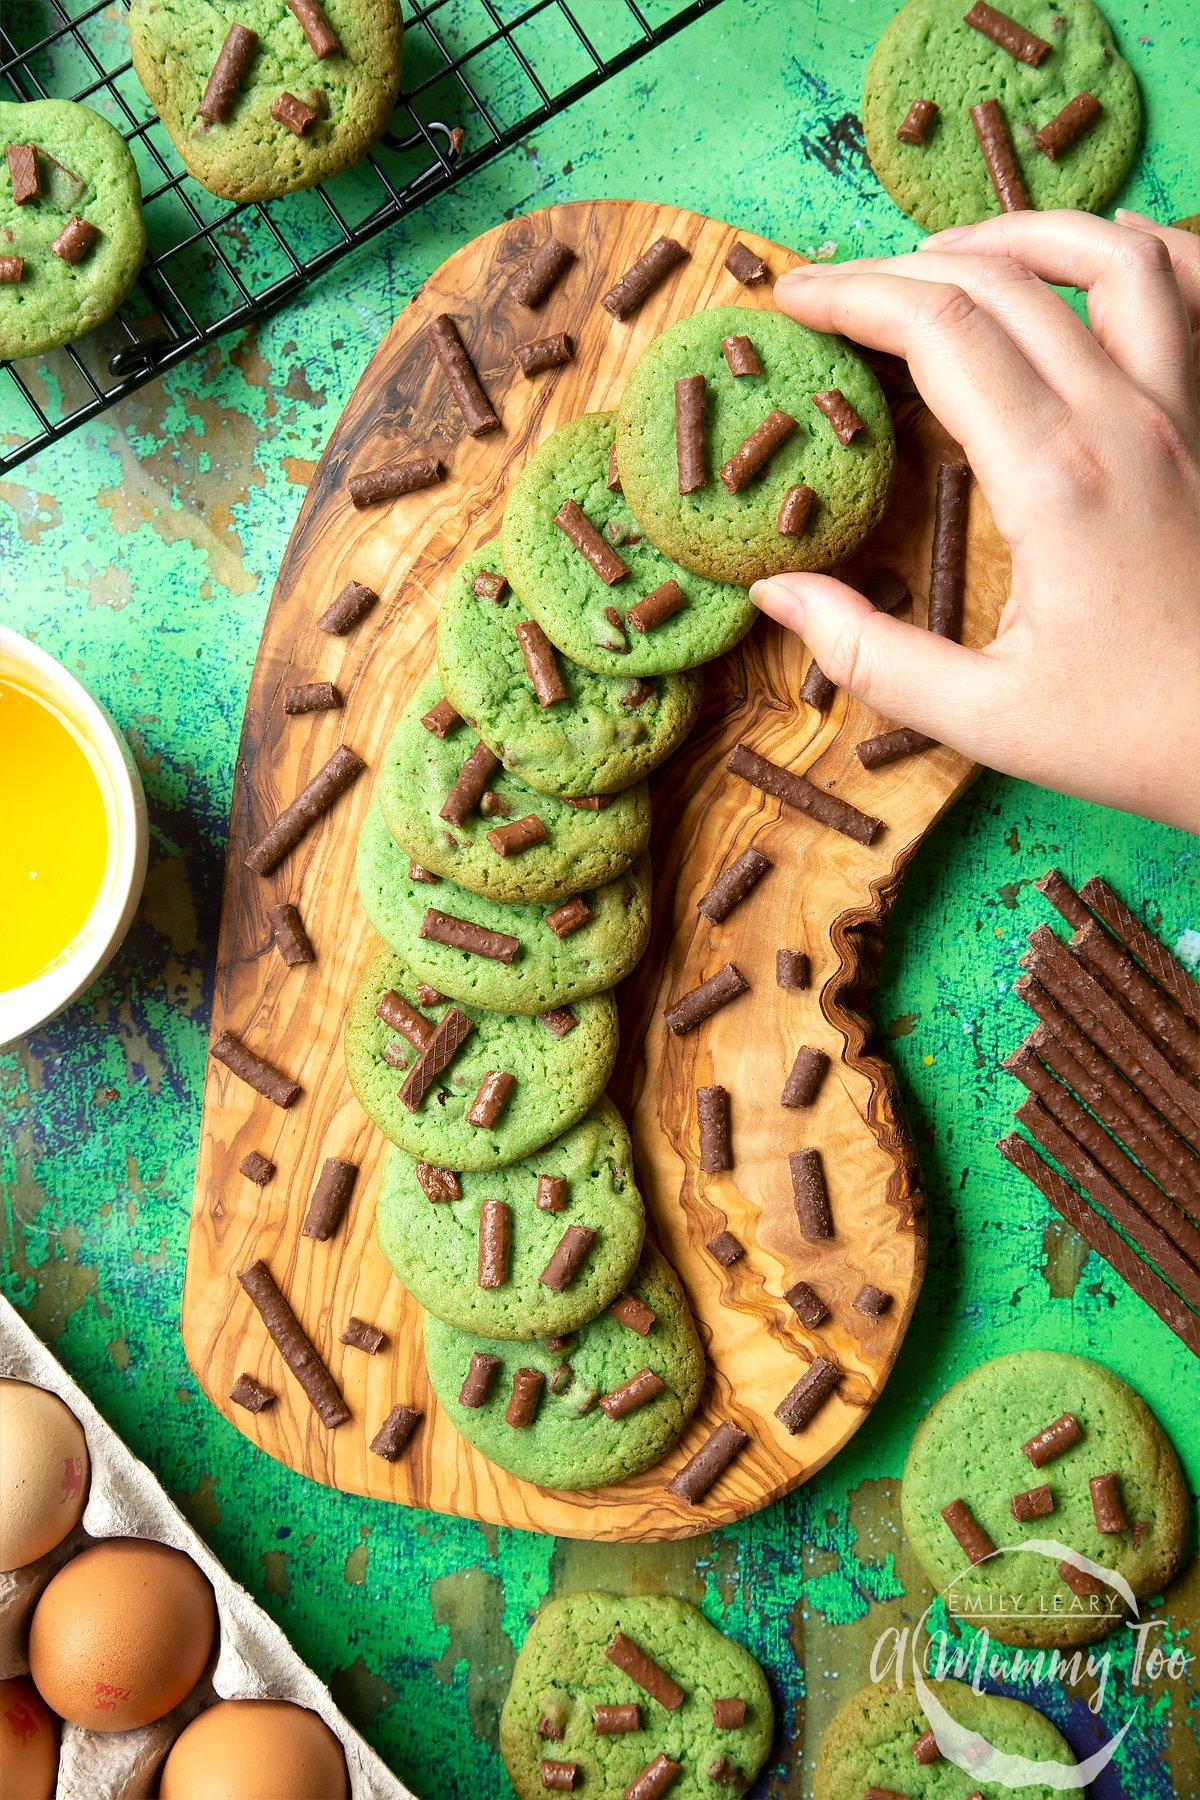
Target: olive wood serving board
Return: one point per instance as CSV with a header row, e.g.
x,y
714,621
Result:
x,y
826,895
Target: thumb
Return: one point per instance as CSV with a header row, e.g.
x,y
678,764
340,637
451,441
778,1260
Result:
x,y
901,670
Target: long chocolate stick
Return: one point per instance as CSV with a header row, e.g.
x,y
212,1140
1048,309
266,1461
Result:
x,y
479,415
295,1346
310,804
1140,997
1170,975
798,792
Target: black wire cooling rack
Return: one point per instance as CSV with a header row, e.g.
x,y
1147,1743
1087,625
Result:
x,y
478,75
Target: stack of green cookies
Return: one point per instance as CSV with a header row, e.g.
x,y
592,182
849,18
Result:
x,y
503,864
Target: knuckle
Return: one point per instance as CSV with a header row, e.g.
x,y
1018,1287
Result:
x,y
1146,254
846,662
945,307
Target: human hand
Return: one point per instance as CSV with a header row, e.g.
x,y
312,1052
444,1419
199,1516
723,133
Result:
x,y
1086,445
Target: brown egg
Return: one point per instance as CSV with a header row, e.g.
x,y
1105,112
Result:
x,y
255,1750
28,1743
43,1473
121,1634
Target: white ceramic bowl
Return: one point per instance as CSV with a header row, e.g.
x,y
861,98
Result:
x,y
25,1007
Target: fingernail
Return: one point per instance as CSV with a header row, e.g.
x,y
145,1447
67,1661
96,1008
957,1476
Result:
x,y
937,238
1126,214
793,277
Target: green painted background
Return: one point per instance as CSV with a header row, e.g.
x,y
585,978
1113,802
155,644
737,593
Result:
x,y
142,553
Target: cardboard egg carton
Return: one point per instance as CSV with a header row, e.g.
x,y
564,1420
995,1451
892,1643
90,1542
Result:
x,y
252,1659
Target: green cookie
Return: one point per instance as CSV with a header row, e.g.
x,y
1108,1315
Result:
x,y
565,1448
84,171
249,155
567,597
557,1078
562,1673
927,52
735,537
583,848
995,1410
609,732
433,1246
546,971
868,1743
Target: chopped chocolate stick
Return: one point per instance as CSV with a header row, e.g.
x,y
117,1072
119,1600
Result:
x,y
925,1749
1080,1582
489,584
254,1070
590,802
640,281
1154,956
878,1793
479,415
257,1168
312,696
396,1013
571,519
553,1728
712,1109
756,451
991,129
725,1249
817,689
558,1776
394,479
478,1382
619,641
417,873
892,746
728,1775
886,590
360,1335
428,996
551,1193
1140,997
568,917
12,270
294,1345
468,788
541,663
522,834
545,353
535,278
251,1394
638,1391
75,240
23,172
309,805
395,1055
791,969
808,1307
969,1534
1145,1282
796,791
351,606
948,555
463,934
649,1676
228,73
291,939
691,454
1060,132
569,1256
1008,33
633,1313
810,1197
1061,1434
808,1072
729,1715
495,1092
795,511
294,113
1107,1506
558,1021
733,884
438,1184
391,1440
613,481
1034,1503
331,1197
871,1300
660,604
841,415
447,1040
441,719
607,1721
316,28
741,356
527,1385
700,1003
809,1395
655,1779
744,266
495,1243
917,122
702,1470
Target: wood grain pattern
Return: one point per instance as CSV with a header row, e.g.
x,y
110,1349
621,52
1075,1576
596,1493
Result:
x,y
825,895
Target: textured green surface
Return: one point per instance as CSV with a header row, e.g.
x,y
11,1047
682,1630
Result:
x,y
142,552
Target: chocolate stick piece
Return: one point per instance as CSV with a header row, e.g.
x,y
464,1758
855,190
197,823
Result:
x,y
361,1335
437,1184
816,689
255,1070
795,791
649,1675
251,1394
712,1108
291,939
1154,956
1140,997
294,113
495,1092
495,1243
331,1197
810,1197
489,584
257,1168
441,719
756,451
447,1040
1060,132
871,1301
725,1248
741,356
316,28
463,934
732,886
833,404
75,239
12,270
700,1003
968,1533
948,555
1034,1503
558,1021
396,1013
655,1779
633,1313
567,918
702,1470
595,549
795,510
1060,1435
691,454
607,1721
1008,33
521,834
557,1777
294,1345
991,129
311,696
479,1379
810,1393
568,1258
639,282
744,266
892,746
228,73
545,353
1107,1506
469,786
551,1193
808,1307
394,479
527,1385
791,969
479,415
535,278
659,605
917,122
391,1440
886,590
351,606
808,1072
310,803
23,172
541,663
729,1715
